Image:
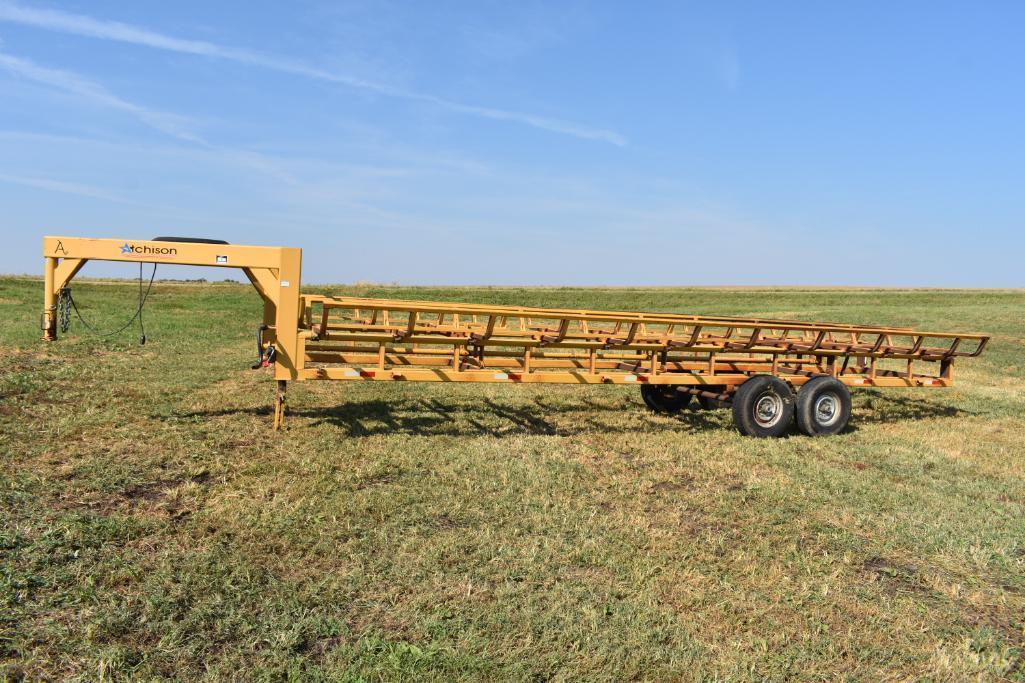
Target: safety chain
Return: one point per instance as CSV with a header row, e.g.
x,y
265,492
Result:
x,y
64,309
66,304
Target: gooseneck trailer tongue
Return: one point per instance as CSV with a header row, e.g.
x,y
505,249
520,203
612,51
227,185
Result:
x,y
772,372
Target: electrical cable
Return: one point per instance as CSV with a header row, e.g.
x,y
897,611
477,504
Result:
x,y
68,299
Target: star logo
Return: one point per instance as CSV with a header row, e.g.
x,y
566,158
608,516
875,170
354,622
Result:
x,y
126,248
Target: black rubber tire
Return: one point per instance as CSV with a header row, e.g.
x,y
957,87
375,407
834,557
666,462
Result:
x,y
189,240
763,407
823,407
664,398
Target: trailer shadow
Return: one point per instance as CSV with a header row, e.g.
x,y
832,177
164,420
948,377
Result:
x,y
439,417
872,406
541,417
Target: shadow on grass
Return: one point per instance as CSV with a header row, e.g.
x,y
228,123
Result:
x,y
448,417
434,417
879,407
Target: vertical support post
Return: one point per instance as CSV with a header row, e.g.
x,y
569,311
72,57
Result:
x,y
49,322
263,280
279,404
324,312
286,322
270,313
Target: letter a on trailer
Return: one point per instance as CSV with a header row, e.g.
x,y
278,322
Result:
x,y
773,373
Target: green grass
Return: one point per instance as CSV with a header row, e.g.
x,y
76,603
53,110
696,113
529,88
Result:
x,y
152,525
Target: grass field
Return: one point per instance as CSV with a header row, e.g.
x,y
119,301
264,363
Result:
x,y
152,524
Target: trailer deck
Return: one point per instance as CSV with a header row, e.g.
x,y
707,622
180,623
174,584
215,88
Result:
x,y
753,364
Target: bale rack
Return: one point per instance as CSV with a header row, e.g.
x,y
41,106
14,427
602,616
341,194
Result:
x,y
772,373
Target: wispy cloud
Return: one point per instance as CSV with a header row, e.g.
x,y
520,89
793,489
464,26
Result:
x,y
75,84
82,25
63,187
164,122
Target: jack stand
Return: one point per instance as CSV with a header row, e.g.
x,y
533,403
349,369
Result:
x,y
279,404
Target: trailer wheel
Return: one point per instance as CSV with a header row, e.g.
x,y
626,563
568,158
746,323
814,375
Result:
x,y
664,398
763,406
823,406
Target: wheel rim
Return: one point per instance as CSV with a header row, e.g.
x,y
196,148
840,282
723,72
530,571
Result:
x,y
827,409
768,409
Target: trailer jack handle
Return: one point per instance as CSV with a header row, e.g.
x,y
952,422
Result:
x,y
263,358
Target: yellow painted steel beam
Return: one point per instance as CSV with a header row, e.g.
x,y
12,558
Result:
x,y
760,336
374,374
151,251
614,316
274,272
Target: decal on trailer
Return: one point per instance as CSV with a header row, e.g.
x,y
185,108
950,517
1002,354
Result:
x,y
129,249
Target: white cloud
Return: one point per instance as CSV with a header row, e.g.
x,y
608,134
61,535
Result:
x,y
77,24
63,187
169,124
94,92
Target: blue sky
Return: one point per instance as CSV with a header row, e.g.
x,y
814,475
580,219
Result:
x,y
528,143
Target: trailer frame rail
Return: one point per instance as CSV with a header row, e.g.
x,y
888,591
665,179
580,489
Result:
x,y
753,363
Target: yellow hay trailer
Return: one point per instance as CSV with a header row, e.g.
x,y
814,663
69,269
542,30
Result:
x,y
772,372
